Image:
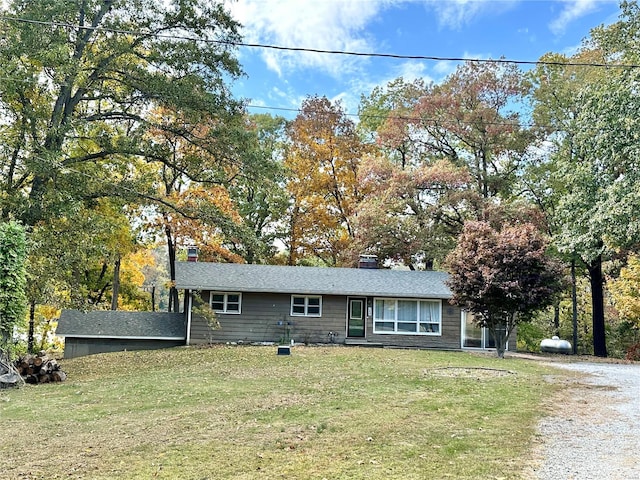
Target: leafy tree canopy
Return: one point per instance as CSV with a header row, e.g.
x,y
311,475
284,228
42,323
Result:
x,y
80,79
322,162
502,277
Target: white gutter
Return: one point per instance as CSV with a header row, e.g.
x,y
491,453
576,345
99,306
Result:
x,y
119,337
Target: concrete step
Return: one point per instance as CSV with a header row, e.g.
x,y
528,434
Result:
x,y
362,342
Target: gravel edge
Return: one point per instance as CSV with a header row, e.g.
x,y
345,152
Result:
x,y
594,430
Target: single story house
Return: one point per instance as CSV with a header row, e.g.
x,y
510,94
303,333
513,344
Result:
x,y
365,306
86,333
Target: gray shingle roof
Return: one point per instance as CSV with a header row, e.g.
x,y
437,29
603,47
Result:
x,y
120,324
233,277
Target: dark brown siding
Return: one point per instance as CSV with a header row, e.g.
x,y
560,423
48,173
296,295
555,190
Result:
x,y
266,318
449,339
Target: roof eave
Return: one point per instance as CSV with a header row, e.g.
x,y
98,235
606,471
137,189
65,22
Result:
x,y
119,337
348,293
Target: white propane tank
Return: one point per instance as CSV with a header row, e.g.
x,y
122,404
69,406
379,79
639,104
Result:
x,y
555,345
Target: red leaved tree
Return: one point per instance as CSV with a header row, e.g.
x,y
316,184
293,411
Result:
x,y
502,277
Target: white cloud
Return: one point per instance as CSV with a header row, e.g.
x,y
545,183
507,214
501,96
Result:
x,y
444,68
572,10
457,13
322,25
410,71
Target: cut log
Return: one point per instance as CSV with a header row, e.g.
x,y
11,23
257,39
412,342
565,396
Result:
x,y
48,367
38,361
58,376
46,378
26,361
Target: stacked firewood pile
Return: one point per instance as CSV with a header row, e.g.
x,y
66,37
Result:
x,y
39,369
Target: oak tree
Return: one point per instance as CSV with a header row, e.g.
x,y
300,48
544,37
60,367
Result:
x,y
322,162
80,78
387,115
412,214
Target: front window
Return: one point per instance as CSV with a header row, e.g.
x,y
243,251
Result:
x,y
406,316
306,306
223,302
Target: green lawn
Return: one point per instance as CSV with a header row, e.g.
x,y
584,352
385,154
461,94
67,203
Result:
x,y
245,412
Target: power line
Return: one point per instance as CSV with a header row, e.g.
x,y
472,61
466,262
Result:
x,y
323,51
338,52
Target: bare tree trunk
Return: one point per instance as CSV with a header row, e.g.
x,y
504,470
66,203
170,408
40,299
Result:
x,y
500,333
596,280
293,240
32,322
116,285
173,292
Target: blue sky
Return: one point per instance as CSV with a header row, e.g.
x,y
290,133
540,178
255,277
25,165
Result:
x,y
515,29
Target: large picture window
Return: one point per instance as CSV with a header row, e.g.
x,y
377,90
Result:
x,y
224,302
306,306
406,316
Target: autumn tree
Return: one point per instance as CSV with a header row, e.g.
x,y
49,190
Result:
x,y
413,214
322,161
78,88
502,276
386,114
472,120
190,189
625,292
460,147
81,81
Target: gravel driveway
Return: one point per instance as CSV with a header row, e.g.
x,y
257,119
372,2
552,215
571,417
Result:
x,y
595,433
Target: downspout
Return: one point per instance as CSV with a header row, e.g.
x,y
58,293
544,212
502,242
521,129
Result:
x,y
188,312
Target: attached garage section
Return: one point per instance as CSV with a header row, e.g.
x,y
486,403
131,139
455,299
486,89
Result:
x,y
88,333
